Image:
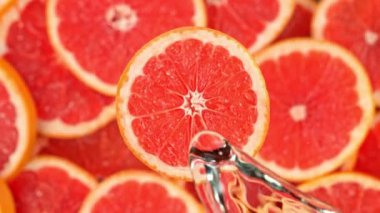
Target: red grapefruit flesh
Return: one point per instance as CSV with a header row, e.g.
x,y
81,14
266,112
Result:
x,y
66,108
184,81
354,25
50,184
17,122
255,23
368,160
118,29
300,23
321,107
101,153
136,191
349,192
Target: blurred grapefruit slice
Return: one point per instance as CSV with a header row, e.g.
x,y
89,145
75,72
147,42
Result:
x,y
349,192
184,81
17,122
144,191
321,107
51,184
6,202
255,23
118,29
355,25
66,108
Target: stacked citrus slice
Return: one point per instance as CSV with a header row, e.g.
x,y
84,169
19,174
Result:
x,y
6,201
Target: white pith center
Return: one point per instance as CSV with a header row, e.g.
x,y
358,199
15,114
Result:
x,y
193,103
371,37
298,112
217,2
121,17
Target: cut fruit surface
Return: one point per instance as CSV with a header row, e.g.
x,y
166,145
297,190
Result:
x,y
321,107
66,108
5,5
101,153
118,29
184,81
17,122
51,184
349,192
140,191
255,23
300,23
368,160
6,202
354,25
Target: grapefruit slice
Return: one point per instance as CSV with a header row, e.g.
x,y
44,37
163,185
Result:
x,y
6,202
5,5
101,153
354,25
118,29
184,81
349,192
321,107
140,190
254,23
51,184
368,157
66,108
300,23
17,122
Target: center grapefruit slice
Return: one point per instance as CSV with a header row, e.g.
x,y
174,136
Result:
x,y
17,122
65,107
98,44
321,107
6,202
184,81
137,191
51,184
255,23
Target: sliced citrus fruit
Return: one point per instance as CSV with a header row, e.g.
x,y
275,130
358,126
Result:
x,y
5,5
101,153
6,202
184,81
355,25
65,107
17,122
321,107
349,192
255,23
140,190
349,163
299,24
368,157
51,184
118,29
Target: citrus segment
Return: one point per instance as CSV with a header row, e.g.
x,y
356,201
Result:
x,y
368,160
118,29
355,25
349,192
101,153
66,108
6,202
321,107
300,23
184,81
255,23
144,191
17,122
51,184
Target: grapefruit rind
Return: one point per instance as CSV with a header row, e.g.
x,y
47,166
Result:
x,y
364,91
310,5
74,171
54,128
25,121
157,46
274,29
88,78
142,177
5,5
6,202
